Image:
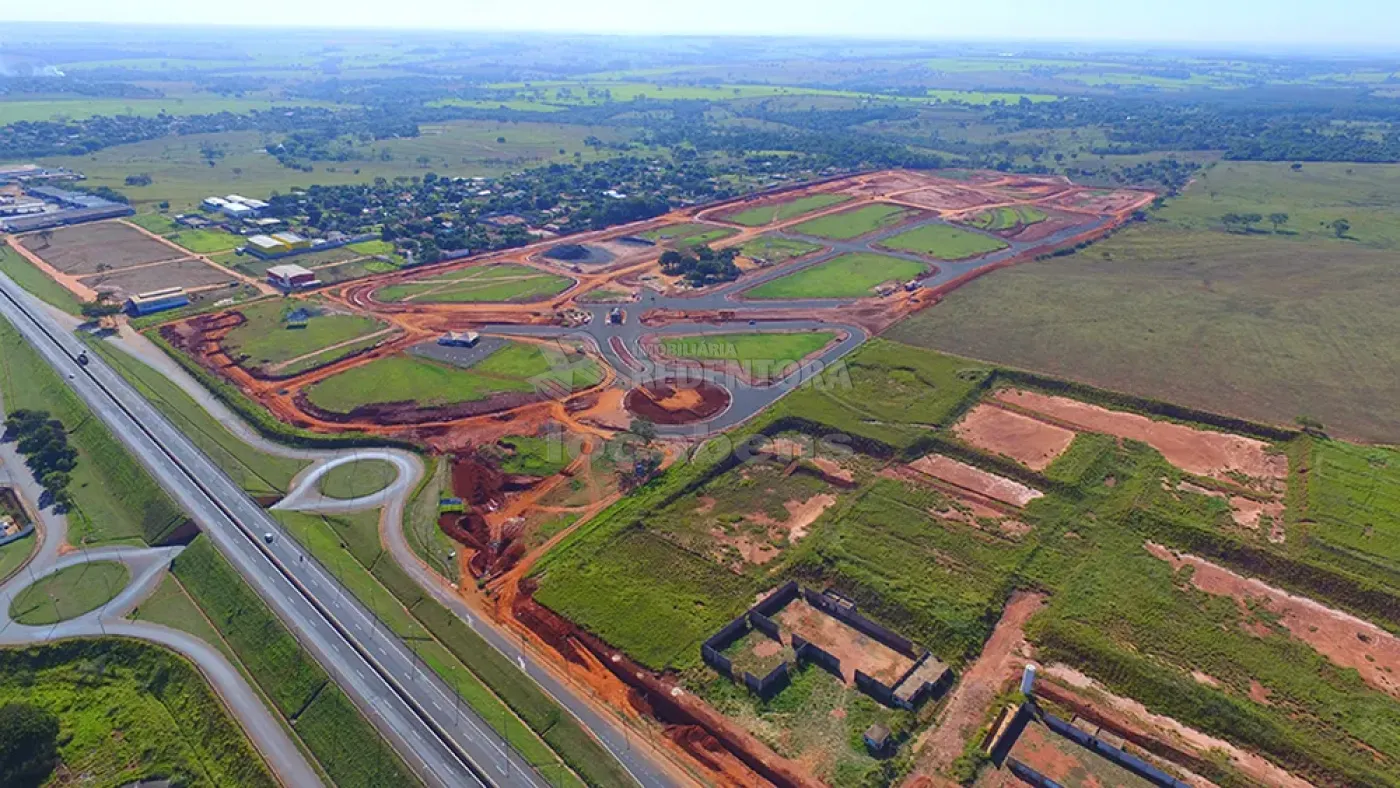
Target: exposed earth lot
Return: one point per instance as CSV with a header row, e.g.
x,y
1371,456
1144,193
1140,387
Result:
x,y
80,250
190,273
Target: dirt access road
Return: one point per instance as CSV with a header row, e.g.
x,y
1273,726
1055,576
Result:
x,y
661,310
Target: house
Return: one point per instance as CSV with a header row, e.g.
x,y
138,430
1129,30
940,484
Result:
x,y
213,204
877,739
192,221
291,277
265,222
459,339
157,301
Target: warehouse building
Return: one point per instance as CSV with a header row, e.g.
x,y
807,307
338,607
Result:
x,y
291,277
157,301
276,245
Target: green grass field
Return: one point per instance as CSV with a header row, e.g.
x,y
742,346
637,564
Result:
x,y
406,378
265,340
1353,496
114,499
358,479
13,265
1366,195
943,581
689,234
848,276
944,242
158,223
772,346
255,471
131,713
855,222
773,249
79,108
481,284
1007,218
782,211
206,241
14,555
69,593
1250,325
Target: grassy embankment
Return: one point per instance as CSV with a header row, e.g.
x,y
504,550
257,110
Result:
x,y
129,713
114,499
541,731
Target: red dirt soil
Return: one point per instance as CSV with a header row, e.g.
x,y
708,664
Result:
x,y
677,402
998,488
1202,452
1033,443
1346,640
1002,657
855,650
746,761
1159,735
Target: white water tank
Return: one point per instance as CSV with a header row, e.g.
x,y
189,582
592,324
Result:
x,y
1028,680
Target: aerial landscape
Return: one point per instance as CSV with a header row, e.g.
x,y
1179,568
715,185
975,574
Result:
x,y
580,397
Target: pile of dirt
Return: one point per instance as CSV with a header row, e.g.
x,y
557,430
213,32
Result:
x,y
410,412
671,401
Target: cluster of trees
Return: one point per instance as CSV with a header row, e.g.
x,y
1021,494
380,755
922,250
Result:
x,y
1302,128
702,265
1246,221
428,215
44,444
28,745
28,139
55,85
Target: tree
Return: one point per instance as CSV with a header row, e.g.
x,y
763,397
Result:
x,y
1278,220
1251,219
1341,227
643,429
28,744
1231,221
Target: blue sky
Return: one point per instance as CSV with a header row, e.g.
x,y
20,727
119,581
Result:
x,y
1312,23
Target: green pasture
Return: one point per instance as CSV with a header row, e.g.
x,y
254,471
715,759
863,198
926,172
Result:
x,y
784,210
689,234
944,242
478,284
772,346
774,249
852,275
1007,218
267,339
846,225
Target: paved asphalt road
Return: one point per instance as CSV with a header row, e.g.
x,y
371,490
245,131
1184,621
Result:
x,y
304,496
409,704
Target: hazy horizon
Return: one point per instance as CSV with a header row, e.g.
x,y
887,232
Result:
x,y
1188,24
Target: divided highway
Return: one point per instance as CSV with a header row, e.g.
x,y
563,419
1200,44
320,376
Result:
x,y
445,743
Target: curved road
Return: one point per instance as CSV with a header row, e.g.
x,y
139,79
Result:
x,y
147,566
646,766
